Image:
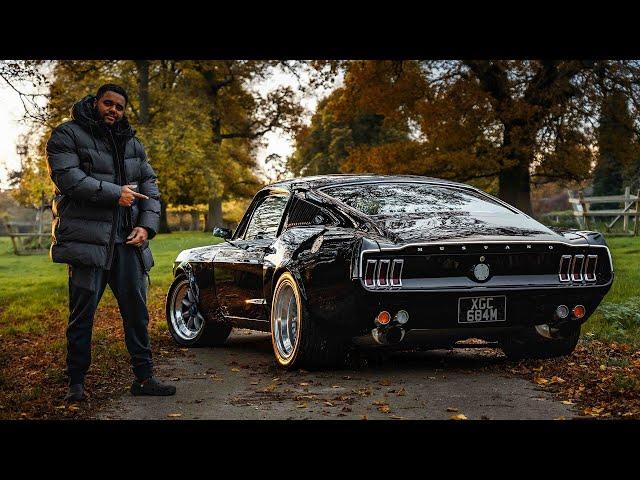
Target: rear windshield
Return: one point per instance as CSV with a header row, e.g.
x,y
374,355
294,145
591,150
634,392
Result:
x,y
398,198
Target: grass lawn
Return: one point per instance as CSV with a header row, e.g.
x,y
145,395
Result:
x,y
33,317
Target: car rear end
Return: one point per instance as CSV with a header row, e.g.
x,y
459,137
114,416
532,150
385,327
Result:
x,y
438,293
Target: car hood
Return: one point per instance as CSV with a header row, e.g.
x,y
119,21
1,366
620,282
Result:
x,y
462,226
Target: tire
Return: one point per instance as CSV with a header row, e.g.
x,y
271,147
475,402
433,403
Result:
x,y
532,345
310,346
187,326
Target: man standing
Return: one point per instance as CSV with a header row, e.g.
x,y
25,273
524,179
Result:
x,y
101,228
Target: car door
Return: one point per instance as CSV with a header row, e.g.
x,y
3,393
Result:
x,y
239,269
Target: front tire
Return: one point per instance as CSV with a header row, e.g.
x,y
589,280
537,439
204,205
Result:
x,y
532,345
297,338
187,325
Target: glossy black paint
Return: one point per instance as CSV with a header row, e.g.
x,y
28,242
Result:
x,y
323,241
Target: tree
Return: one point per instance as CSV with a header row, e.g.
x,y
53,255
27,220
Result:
x,y
240,117
514,122
324,145
617,146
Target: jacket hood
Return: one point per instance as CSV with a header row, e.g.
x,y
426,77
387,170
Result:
x,y
83,113
450,226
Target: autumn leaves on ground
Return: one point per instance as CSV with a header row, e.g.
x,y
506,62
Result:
x,y
602,377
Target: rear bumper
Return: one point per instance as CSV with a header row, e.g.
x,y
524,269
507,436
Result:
x,y
433,312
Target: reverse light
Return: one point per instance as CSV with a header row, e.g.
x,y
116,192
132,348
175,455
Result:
x,y
562,311
402,317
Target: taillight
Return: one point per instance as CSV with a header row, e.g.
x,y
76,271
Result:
x,y
369,272
590,268
396,273
383,273
565,263
576,268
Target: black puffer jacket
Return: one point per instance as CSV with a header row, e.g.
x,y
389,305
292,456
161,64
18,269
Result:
x,y
84,163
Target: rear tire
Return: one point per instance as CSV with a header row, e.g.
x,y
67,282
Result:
x,y
532,345
297,338
187,325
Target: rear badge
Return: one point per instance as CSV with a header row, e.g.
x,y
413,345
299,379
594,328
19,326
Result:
x,y
481,272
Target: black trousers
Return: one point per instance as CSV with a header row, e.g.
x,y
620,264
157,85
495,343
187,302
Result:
x,y
127,281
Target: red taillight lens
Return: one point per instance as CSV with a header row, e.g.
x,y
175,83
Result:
x,y
563,271
369,273
578,311
576,269
383,317
396,273
590,268
383,273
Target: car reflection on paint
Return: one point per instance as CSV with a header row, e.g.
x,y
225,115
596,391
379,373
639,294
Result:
x,y
336,262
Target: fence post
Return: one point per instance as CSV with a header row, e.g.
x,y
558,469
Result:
x,y
627,204
584,211
635,226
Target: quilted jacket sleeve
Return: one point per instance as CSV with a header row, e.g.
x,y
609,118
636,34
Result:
x,y
63,164
149,209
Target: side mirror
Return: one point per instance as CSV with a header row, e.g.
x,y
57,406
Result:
x,y
222,233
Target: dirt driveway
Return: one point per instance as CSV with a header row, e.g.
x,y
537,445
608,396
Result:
x,y
241,381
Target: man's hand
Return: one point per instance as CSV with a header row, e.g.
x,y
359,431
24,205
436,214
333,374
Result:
x,y
137,236
127,196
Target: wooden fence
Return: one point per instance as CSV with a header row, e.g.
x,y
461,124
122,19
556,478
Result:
x,y
584,214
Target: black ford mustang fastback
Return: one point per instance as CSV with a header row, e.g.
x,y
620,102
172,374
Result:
x,y
333,262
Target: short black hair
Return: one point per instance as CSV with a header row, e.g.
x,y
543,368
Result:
x,y
112,87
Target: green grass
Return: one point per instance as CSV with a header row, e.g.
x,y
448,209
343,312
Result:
x,y
33,287
618,317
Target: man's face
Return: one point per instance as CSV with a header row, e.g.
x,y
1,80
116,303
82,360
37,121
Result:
x,y
110,107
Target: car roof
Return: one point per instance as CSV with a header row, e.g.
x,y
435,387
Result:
x,y
321,181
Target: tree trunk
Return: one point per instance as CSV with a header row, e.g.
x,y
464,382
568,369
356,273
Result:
x,y
164,224
515,188
214,216
515,182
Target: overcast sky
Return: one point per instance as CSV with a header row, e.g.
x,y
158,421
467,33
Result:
x,y
11,112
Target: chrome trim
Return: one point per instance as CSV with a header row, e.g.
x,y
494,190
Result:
x,y
560,268
377,279
396,261
256,301
573,268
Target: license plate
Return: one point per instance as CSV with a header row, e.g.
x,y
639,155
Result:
x,y
482,309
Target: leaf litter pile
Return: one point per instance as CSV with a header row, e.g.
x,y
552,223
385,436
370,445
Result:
x,y
601,379
32,366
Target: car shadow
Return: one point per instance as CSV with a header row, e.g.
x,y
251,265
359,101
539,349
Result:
x,y
259,344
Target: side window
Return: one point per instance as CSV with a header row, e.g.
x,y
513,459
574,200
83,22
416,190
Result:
x,y
266,218
305,213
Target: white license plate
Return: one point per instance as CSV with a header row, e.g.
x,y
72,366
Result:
x,y
482,309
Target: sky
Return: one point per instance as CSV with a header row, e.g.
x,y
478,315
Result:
x,y
11,112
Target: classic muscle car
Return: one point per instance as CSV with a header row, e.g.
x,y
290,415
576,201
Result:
x,y
337,262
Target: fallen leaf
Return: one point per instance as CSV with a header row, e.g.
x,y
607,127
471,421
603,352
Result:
x,y
603,367
460,416
384,408
396,417
452,409
560,418
556,379
329,404
568,402
174,415
537,369
402,392
541,381
254,383
384,382
302,405
336,386
234,369
304,384
73,408
364,417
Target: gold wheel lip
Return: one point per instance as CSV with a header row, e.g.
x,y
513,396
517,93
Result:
x,y
287,278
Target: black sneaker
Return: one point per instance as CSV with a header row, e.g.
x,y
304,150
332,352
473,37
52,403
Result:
x,y
75,393
152,386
